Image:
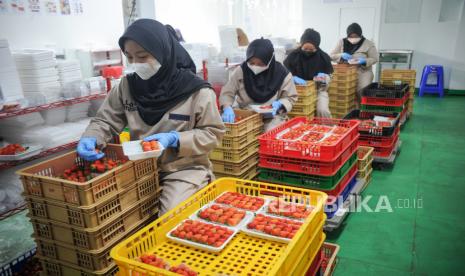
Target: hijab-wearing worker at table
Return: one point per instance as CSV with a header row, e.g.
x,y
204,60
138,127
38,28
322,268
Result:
x,y
164,103
356,46
260,80
309,61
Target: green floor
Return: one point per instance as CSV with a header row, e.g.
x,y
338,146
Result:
x,y
431,167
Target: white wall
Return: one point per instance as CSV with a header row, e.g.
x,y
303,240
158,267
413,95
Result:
x,y
433,42
325,17
100,25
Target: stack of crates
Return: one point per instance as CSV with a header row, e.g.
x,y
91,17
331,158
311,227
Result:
x,y
396,76
77,224
342,90
327,163
364,163
384,138
306,101
237,154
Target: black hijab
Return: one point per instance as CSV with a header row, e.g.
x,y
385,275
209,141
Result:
x,y
262,87
307,66
348,47
170,85
183,59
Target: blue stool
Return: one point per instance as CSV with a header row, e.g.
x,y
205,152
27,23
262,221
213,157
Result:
x,y
432,80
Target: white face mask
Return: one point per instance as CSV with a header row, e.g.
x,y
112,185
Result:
x,y
258,69
145,70
354,40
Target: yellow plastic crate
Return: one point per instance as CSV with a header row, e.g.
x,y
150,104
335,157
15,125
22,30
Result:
x,y
236,156
310,116
398,73
248,175
308,255
53,267
367,179
351,77
341,104
342,86
365,156
341,110
306,90
235,169
367,169
344,69
306,100
342,97
244,255
303,109
240,142
249,121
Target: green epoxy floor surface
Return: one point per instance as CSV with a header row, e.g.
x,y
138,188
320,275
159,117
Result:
x,y
419,241
431,170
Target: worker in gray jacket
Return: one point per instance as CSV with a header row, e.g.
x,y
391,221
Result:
x,y
164,103
355,48
260,80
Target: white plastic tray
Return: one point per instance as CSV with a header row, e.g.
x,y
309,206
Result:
x,y
31,151
264,211
199,245
133,150
242,223
258,211
262,235
267,113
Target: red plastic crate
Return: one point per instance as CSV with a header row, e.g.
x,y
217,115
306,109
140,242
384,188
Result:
x,y
316,264
305,150
308,166
384,152
379,141
385,101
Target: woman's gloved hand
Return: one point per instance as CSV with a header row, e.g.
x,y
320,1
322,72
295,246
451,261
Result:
x,y
362,61
322,105
346,56
167,139
276,107
86,149
299,81
228,115
323,78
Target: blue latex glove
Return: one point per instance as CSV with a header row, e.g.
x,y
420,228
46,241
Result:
x,y
228,115
86,149
362,61
276,106
299,81
167,139
346,56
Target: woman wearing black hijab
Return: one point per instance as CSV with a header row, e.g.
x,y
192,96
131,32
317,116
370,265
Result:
x,y
356,49
309,61
260,80
160,102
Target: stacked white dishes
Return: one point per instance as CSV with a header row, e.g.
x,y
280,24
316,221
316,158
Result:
x,y
39,76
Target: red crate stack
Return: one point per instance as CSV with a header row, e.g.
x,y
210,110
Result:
x,y
319,154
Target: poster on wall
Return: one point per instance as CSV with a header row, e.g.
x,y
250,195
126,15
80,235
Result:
x,y
65,7
3,6
50,7
34,6
76,7
17,6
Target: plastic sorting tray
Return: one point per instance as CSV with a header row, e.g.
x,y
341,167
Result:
x,y
373,130
199,245
316,264
240,142
310,151
236,156
230,205
381,109
306,90
265,110
308,255
96,214
97,237
398,73
235,169
366,170
385,91
382,151
265,210
248,175
379,141
367,180
133,150
248,216
263,235
336,201
249,121
365,156
388,154
329,262
386,101
308,166
308,181
306,99
16,266
41,179
342,97
32,150
342,86
243,255
303,109
341,104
